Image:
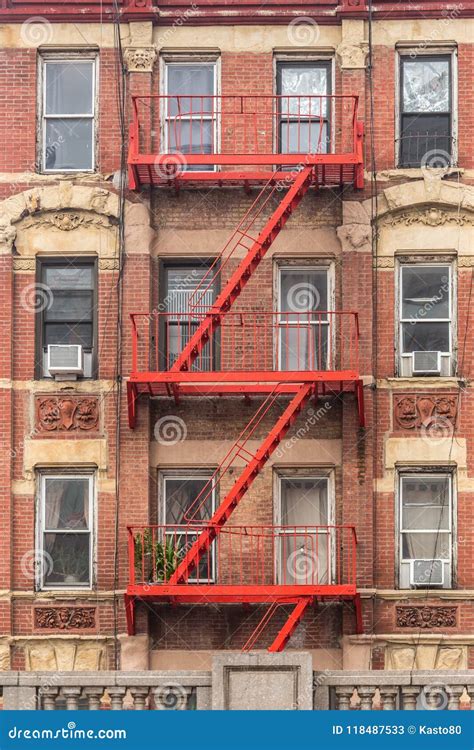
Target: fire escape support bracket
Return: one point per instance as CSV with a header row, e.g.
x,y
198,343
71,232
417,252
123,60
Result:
x,y
358,614
359,386
132,397
130,613
290,625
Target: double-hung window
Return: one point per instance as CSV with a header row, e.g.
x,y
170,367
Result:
x,y
426,319
190,110
67,314
65,533
187,501
426,524
68,114
426,111
304,107
304,320
305,539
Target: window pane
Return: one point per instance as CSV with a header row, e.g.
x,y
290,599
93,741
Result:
x,y
425,139
426,546
303,290
69,88
297,81
63,333
67,503
425,503
182,503
68,276
69,559
69,144
190,136
303,138
190,79
303,347
304,558
425,337
426,85
304,502
426,292
70,305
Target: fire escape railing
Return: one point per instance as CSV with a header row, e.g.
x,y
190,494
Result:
x,y
251,340
246,556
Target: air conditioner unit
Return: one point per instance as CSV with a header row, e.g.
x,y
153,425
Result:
x,y
427,573
426,363
65,360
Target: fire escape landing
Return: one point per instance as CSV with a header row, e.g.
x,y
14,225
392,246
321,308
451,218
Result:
x,y
285,358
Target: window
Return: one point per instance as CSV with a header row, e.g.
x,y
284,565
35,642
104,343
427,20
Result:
x,y
303,319
190,110
426,124
187,501
65,530
68,315
187,292
426,511
305,541
304,110
68,114
426,317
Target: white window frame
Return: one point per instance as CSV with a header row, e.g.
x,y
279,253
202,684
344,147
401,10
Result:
x,y
450,562
418,52
281,324
317,475
170,475
166,63
44,476
67,57
401,321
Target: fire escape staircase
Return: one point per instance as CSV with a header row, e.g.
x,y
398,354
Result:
x,y
282,201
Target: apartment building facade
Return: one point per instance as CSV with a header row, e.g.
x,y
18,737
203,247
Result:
x,y
236,247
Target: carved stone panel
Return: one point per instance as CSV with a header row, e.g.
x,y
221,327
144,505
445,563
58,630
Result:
x,y
426,617
414,410
66,414
64,618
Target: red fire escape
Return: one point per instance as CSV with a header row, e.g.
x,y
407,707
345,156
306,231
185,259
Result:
x,y
284,359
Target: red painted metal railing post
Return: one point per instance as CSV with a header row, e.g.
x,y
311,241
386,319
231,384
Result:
x,y
131,556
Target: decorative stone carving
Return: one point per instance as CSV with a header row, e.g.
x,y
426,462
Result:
x,y
386,262
108,264
355,236
67,414
413,411
140,59
466,261
425,656
426,617
432,217
7,236
4,657
24,264
351,55
67,221
65,618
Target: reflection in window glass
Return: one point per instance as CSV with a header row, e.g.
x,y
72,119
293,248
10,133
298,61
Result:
x,y
425,308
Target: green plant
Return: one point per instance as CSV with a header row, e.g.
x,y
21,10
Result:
x,y
155,561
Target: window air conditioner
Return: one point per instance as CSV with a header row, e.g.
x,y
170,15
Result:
x,y
65,360
426,363
427,573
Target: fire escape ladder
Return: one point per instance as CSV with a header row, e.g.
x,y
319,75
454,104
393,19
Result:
x,y
255,464
291,624
259,246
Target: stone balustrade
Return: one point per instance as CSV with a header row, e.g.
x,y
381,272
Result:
x,y
193,690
